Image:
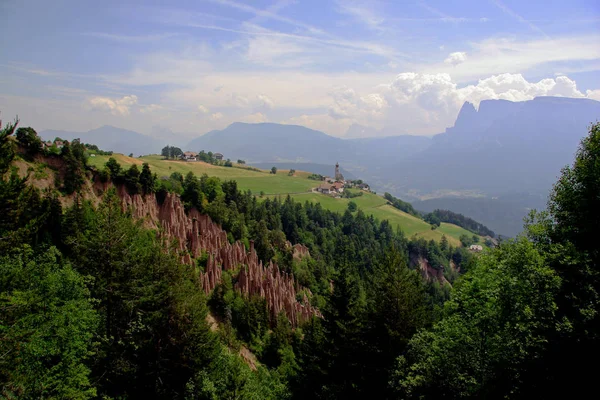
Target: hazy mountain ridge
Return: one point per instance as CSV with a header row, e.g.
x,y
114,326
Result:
x,y
111,138
503,147
270,142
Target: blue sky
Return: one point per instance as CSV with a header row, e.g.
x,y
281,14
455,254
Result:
x,y
192,66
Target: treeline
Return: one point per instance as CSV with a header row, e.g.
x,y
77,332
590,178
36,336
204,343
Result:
x,y
462,221
95,150
171,152
401,205
436,217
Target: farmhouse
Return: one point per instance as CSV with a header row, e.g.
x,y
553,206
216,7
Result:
x,y
339,186
218,156
364,186
326,188
189,156
476,247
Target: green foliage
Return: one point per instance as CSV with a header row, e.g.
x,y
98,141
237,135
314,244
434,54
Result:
x,y
398,308
566,234
26,216
349,194
75,158
192,195
241,162
433,220
93,149
228,163
147,180
466,241
273,170
352,206
47,326
171,152
171,184
114,168
492,331
401,205
154,334
7,146
230,378
316,177
132,179
29,139
462,221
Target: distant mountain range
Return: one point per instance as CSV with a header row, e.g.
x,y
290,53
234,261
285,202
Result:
x,y
507,153
269,142
502,147
111,138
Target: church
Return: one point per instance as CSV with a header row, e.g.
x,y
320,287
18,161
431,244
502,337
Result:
x,y
338,175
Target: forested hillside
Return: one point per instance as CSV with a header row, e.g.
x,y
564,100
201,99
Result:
x,y
138,305
104,293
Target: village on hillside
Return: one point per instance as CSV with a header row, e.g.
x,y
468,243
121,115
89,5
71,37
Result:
x,y
336,185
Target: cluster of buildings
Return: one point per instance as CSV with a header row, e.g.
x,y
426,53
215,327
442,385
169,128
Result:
x,y
337,185
193,156
49,143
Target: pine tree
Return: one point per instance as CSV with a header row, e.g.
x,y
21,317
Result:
x,y
147,180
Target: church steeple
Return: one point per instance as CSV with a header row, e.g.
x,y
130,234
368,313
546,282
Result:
x,y
338,174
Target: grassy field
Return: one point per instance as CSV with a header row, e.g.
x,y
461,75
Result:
x,y
246,179
299,187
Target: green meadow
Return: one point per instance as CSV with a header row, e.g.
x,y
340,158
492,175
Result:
x,y
297,186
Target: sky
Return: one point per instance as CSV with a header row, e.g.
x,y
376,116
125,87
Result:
x,y
184,68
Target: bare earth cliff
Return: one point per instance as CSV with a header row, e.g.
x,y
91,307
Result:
x,y
197,233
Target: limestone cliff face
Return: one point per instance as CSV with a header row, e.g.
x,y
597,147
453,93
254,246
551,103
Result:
x,y
197,233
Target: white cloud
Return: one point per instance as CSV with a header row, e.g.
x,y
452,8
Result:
x,y
150,108
593,94
456,58
515,87
114,106
216,116
280,52
255,118
203,109
321,122
501,55
265,102
362,12
239,101
428,103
